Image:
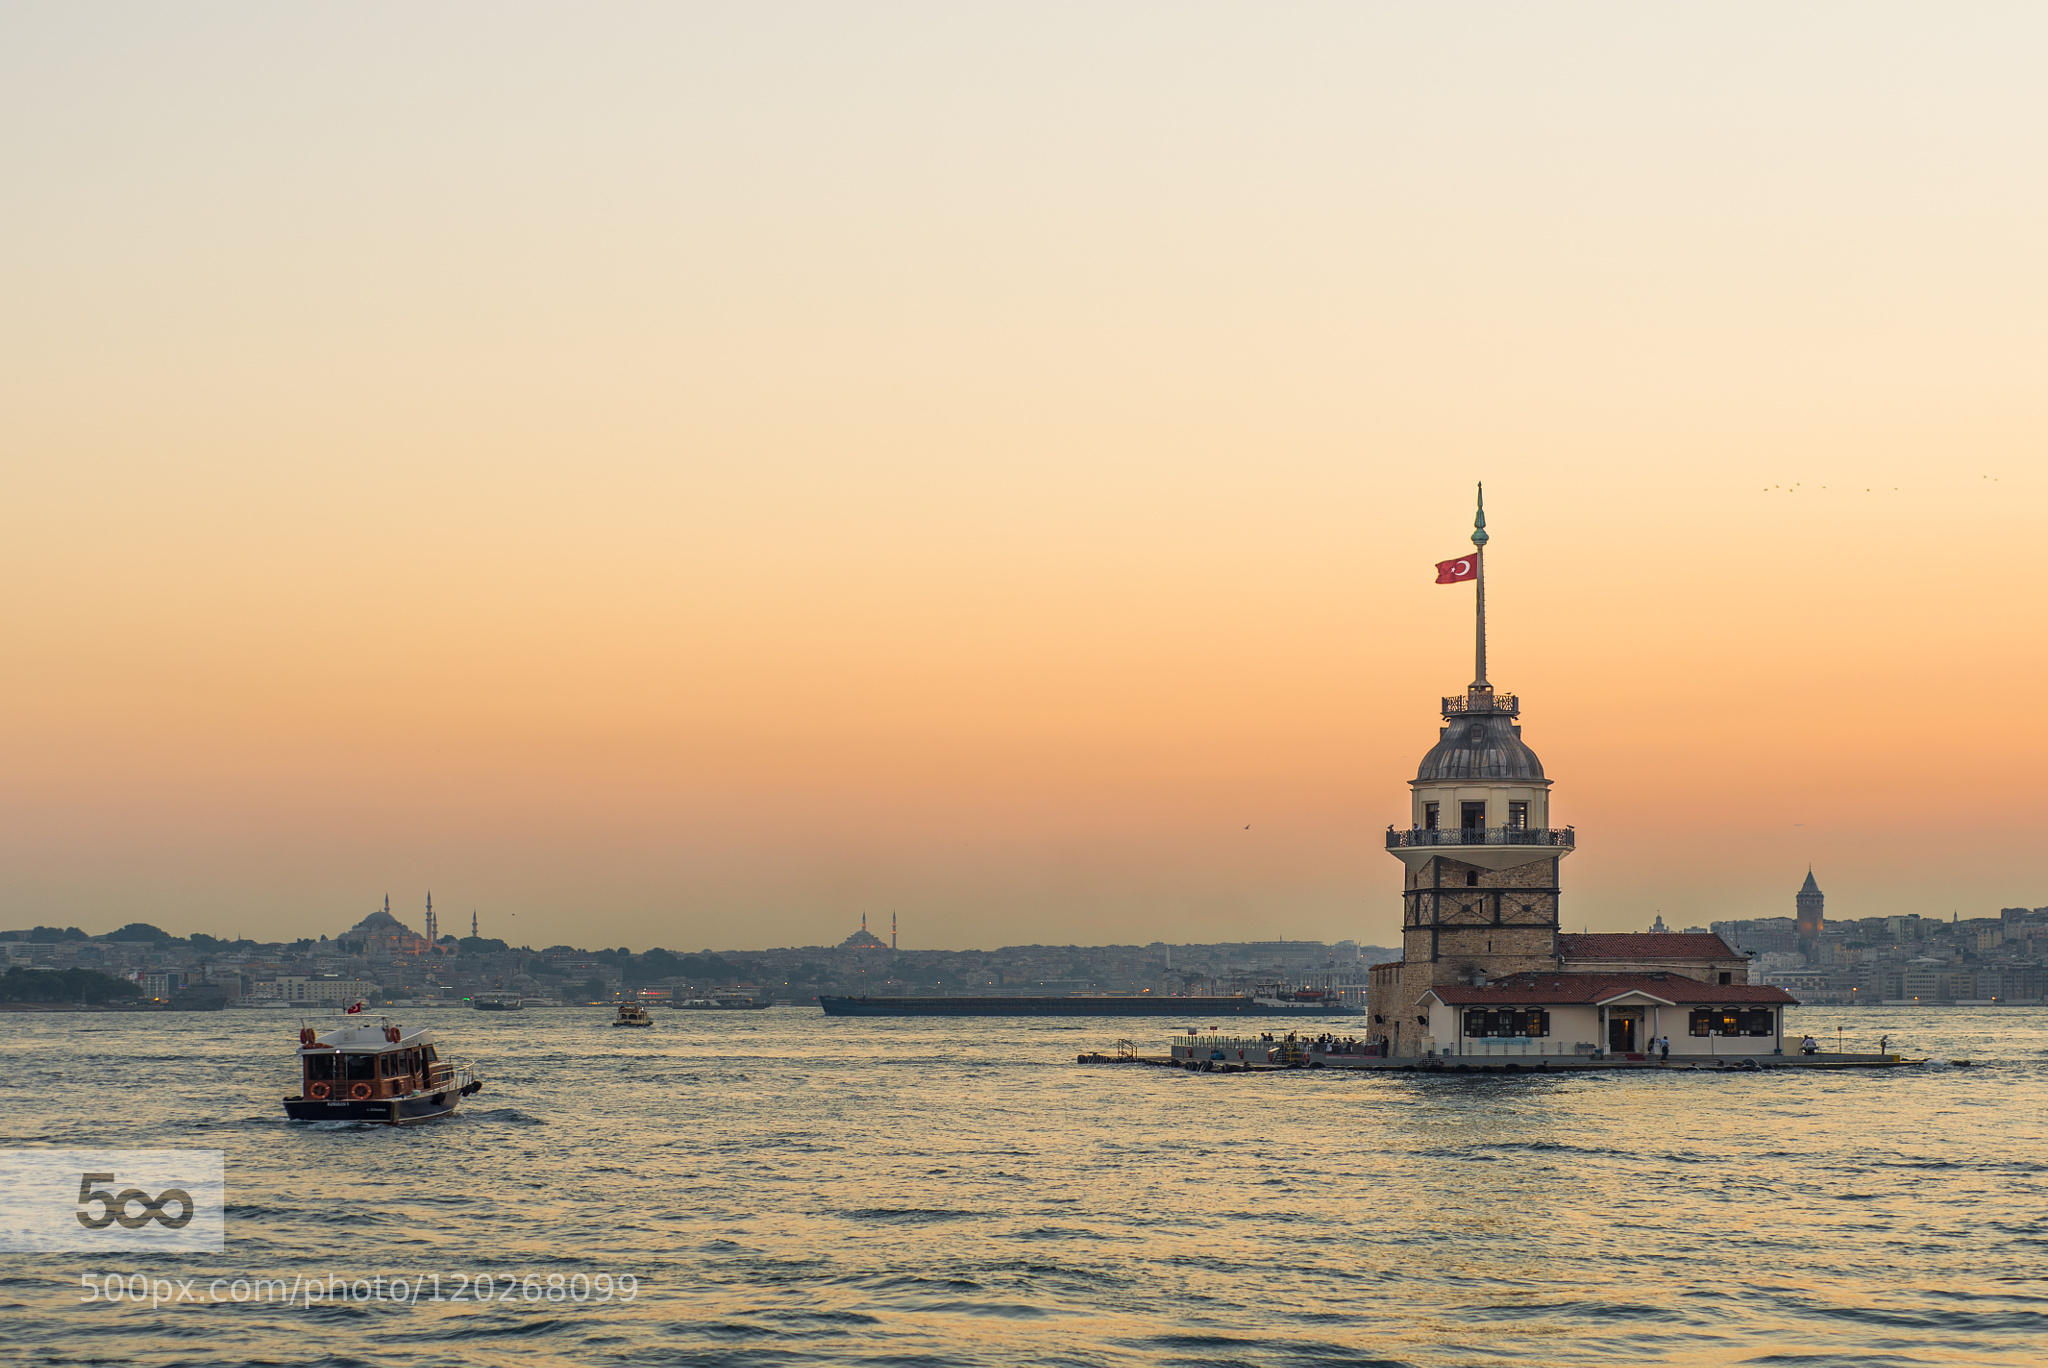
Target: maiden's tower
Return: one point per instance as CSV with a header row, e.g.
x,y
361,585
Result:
x,y
1482,957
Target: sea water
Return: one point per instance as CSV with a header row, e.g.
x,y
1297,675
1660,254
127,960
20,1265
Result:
x,y
783,1188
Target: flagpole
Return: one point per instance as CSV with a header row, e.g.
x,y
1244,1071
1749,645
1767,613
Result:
x,y
1479,557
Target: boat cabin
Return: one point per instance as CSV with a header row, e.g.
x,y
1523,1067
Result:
x,y
1194,1050
369,1063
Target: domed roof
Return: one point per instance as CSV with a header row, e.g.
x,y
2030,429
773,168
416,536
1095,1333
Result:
x,y
1481,745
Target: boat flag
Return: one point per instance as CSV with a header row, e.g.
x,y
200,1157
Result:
x,y
1459,570
353,1008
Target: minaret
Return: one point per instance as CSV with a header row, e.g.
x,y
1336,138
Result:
x,y
433,937
892,928
472,923
1479,857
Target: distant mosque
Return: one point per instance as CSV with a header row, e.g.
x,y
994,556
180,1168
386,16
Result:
x,y
865,939
1484,967
384,936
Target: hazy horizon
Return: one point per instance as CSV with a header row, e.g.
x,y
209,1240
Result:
x,y
680,474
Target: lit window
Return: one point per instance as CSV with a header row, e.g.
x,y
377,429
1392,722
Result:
x,y
1484,1022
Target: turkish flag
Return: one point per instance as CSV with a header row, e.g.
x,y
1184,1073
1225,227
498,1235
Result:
x,y
1459,570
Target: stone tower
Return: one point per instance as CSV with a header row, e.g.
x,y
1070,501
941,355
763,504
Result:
x,y
1809,900
1479,895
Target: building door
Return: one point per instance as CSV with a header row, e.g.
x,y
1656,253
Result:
x,y
1621,1033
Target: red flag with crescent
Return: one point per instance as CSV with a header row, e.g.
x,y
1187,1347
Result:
x,y
1458,571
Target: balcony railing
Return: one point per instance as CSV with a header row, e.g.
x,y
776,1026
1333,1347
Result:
x,y
1482,703
1414,837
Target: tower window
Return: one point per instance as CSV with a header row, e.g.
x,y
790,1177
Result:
x,y
1518,816
1472,881
1429,816
1472,816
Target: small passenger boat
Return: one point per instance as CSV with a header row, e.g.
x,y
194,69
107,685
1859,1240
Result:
x,y
376,1073
633,1014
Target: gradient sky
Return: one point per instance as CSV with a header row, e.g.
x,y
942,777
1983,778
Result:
x,y
689,474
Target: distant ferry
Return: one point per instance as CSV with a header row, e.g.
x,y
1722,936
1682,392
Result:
x,y
723,1001
498,1003
633,1014
375,1073
1263,1003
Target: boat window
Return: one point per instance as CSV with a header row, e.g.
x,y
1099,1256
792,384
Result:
x,y
360,1068
320,1068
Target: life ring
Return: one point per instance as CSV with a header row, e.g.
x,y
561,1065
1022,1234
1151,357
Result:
x,y
359,1091
318,1091
391,1034
305,1035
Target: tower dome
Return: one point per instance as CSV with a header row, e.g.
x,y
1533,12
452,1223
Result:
x,y
1480,740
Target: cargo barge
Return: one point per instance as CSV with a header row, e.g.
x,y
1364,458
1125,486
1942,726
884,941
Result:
x,y
1162,1005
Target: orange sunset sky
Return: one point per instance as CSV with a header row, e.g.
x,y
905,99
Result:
x,y
688,474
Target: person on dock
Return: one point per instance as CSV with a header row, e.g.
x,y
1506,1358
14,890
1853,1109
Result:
x,y
1884,1044
1809,1046
1664,1049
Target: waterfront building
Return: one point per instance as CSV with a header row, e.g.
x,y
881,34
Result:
x,y
1484,965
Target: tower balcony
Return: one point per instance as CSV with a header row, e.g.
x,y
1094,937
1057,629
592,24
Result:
x,y
1398,839
1482,701
1488,847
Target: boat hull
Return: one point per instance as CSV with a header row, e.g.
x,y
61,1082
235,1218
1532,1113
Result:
x,y
376,1111
1185,1008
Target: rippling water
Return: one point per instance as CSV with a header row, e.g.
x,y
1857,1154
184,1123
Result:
x,y
790,1189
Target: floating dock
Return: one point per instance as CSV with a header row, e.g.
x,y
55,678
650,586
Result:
x,y
1248,1054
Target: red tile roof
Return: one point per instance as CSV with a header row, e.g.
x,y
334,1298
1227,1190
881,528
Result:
x,y
1693,945
1554,990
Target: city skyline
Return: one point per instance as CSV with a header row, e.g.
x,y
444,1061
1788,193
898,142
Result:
x,y
696,476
